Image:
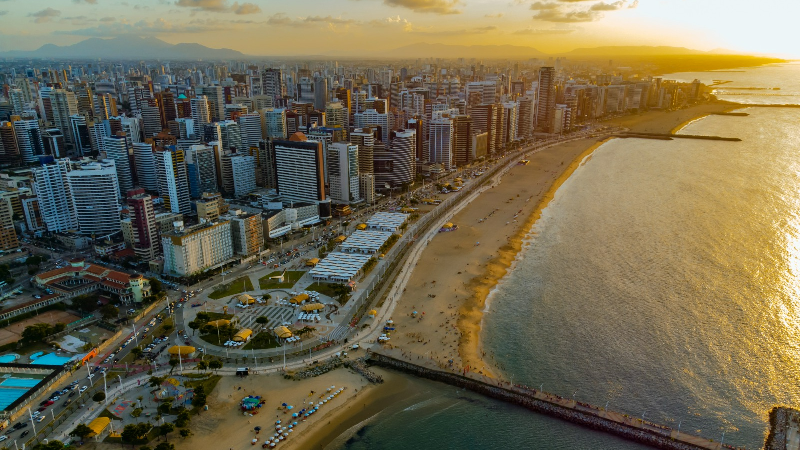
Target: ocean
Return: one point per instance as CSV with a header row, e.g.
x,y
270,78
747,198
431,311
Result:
x,y
663,279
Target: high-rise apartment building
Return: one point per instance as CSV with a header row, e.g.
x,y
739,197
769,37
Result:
x,y
95,196
145,239
299,169
247,233
216,101
29,139
275,123
173,186
52,192
238,174
463,129
8,234
396,165
546,99
272,85
145,162
441,142
201,169
63,104
200,114
250,129
365,139
342,167
9,152
372,118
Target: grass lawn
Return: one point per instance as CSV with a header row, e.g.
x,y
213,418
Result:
x,y
211,338
291,278
264,339
217,316
236,286
329,289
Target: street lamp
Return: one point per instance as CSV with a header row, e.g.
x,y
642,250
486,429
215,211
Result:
x,y
105,386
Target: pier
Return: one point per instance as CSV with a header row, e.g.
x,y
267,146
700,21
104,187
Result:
x,y
580,413
669,137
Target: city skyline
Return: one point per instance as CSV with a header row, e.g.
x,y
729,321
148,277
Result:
x,y
350,27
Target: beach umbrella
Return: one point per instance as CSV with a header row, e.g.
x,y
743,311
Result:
x,y
291,426
283,404
294,423
290,431
277,421
390,321
289,407
258,428
294,415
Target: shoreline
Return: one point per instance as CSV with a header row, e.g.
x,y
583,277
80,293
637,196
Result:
x,y
472,312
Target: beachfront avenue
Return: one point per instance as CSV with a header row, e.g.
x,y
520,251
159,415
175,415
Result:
x,y
389,277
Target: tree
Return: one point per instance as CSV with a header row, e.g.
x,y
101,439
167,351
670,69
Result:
x,y
166,429
109,311
81,431
262,320
156,381
173,362
165,446
155,286
145,447
164,408
214,365
202,317
52,445
136,413
199,398
183,419
32,270
185,433
137,352
202,365
194,325
99,397
36,332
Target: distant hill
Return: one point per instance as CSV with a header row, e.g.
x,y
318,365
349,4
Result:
x,y
424,50
129,47
638,50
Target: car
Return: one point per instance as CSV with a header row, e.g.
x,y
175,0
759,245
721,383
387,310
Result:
x,y
66,403
71,394
3,438
36,414
25,433
49,402
54,398
83,389
40,419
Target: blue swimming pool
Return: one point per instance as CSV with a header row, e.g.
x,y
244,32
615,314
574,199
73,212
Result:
x,y
8,358
51,359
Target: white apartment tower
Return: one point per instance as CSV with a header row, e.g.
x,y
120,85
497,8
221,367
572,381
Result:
x,y
95,197
343,181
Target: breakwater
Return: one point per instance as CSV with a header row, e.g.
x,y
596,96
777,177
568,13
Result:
x,y
669,137
784,423
584,414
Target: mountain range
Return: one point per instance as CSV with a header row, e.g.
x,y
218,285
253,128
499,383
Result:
x,y
132,47
129,47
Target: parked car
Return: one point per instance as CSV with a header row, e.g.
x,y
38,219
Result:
x,y
83,389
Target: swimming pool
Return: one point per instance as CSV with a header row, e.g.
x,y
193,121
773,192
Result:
x,y
51,359
8,358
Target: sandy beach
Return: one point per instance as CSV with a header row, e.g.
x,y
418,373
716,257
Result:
x,y
454,277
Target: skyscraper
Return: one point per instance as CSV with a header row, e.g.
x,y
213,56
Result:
x,y
95,197
342,164
200,114
173,186
145,162
201,168
29,139
143,220
275,123
441,142
55,201
365,139
396,166
9,152
250,129
371,118
272,85
463,130
64,104
81,138
546,99
230,135
238,174
116,148
299,169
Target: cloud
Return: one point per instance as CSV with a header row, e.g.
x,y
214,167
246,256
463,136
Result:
x,y
427,6
539,32
281,19
634,4
45,15
245,8
493,16
561,16
544,6
602,6
219,6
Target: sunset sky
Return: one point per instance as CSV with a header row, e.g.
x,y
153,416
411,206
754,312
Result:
x,y
273,27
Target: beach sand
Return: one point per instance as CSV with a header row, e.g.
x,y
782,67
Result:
x,y
461,274
224,426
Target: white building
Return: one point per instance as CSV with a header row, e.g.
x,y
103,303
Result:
x,y
173,186
145,162
275,123
250,129
299,167
95,197
372,117
238,174
386,221
200,114
29,139
55,201
441,142
117,149
189,251
343,172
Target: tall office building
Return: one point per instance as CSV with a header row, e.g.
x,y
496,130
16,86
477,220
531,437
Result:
x,y
145,162
238,174
146,243
201,168
116,148
63,104
230,135
200,114
172,180
9,152
365,139
29,140
342,158
250,129
81,138
441,142
52,192
275,123
546,99
95,196
299,169
272,85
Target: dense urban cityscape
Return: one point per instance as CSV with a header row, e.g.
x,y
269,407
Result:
x,y
191,244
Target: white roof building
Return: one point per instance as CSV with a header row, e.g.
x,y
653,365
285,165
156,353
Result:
x,y
366,242
386,221
339,267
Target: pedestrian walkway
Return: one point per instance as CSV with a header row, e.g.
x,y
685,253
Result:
x,y
276,315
